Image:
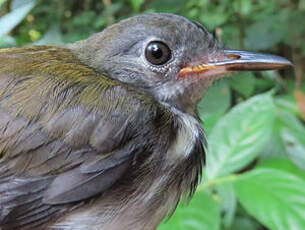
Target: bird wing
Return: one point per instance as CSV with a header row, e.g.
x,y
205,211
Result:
x,y
67,133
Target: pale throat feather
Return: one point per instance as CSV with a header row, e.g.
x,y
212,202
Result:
x,y
187,135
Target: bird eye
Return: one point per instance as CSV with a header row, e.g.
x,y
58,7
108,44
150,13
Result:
x,y
157,53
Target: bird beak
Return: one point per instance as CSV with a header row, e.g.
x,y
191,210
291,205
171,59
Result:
x,y
234,60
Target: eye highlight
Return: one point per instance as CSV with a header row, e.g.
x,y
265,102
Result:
x,y
157,53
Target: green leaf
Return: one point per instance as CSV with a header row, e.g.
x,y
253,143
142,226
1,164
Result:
x,y
280,144
2,2
51,37
10,20
244,83
7,41
266,33
112,9
288,120
229,34
243,7
301,5
274,197
217,99
246,6
169,6
84,19
264,84
228,201
209,122
214,104
18,3
275,146
212,20
295,145
203,213
136,4
292,136
244,223
288,103
283,165
239,136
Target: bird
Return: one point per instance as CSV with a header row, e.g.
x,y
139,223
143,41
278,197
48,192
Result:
x,y
104,133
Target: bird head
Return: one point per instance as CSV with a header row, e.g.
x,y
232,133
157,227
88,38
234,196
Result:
x,y
167,56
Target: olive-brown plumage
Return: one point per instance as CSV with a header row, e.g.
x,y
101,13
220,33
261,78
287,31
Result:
x,y
102,134
68,133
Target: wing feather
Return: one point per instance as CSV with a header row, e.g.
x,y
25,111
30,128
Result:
x,y
65,133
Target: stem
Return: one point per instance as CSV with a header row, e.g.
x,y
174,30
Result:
x,y
2,2
298,66
87,4
241,25
110,18
216,181
297,56
107,3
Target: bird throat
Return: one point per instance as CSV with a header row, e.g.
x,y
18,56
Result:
x,y
183,94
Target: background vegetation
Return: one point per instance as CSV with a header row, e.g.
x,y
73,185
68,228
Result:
x,y
255,173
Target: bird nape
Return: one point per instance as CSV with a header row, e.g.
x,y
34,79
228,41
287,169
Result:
x,y
103,133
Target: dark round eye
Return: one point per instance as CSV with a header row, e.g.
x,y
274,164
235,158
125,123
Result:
x,y
157,53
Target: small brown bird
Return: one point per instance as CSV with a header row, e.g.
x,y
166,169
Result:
x,y
103,133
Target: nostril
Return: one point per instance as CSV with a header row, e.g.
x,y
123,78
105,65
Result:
x,y
233,56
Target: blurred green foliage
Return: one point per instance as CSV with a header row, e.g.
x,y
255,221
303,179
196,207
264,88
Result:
x,y
255,173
